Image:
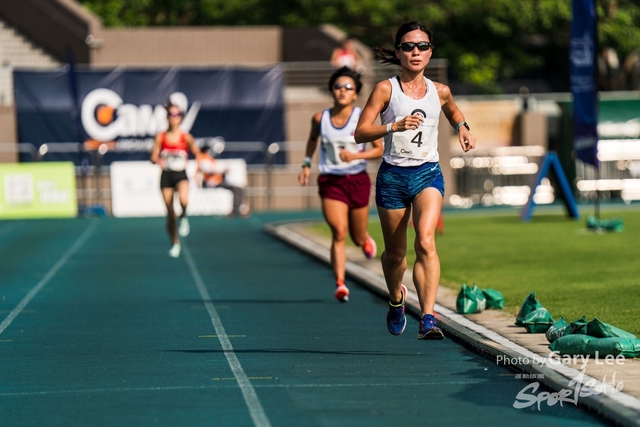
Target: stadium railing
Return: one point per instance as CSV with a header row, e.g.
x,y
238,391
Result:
x,y
499,176
16,149
316,73
93,184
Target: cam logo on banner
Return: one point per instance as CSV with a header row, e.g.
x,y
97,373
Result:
x,y
583,80
125,109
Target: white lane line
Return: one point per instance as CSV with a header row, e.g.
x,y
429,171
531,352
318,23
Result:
x,y
221,385
52,271
250,397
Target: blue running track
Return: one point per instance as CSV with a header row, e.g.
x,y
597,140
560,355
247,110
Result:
x,y
101,328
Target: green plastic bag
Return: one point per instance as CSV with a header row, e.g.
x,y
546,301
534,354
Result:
x,y
494,298
599,329
614,346
578,327
468,301
530,304
571,345
557,330
538,321
613,224
479,295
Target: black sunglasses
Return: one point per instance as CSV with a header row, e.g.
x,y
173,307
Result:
x,y
174,114
409,46
346,86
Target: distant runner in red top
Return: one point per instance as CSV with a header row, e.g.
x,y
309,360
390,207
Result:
x,y
170,152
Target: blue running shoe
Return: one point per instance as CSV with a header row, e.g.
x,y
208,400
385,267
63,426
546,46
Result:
x,y
429,329
396,320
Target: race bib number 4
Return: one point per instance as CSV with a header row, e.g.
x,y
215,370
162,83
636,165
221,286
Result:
x,y
416,143
332,150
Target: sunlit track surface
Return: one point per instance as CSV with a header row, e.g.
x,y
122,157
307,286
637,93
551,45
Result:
x,y
121,334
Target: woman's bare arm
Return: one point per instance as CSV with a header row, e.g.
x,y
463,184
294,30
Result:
x,y
367,130
192,145
455,117
312,143
155,153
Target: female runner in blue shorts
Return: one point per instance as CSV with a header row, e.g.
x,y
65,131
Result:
x,y
171,153
343,183
409,178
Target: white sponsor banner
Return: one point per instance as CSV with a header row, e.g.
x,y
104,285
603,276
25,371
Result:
x,y
135,189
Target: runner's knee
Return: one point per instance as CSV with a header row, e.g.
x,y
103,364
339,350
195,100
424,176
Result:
x,y
171,214
393,257
425,245
339,234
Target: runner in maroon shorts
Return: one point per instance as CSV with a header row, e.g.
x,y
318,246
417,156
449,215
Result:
x,y
344,184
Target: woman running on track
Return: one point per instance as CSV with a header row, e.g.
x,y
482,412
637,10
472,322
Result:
x,y
170,153
409,178
343,183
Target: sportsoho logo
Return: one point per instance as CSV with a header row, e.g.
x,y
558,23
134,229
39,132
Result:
x,y
106,118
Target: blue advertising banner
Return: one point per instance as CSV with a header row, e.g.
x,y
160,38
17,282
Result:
x,y
583,80
125,109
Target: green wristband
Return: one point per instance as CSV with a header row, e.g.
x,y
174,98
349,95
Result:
x,y
462,124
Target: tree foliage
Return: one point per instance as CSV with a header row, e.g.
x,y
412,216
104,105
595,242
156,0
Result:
x,y
485,41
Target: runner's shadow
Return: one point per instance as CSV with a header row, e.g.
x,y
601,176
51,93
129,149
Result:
x,y
542,218
260,301
299,351
499,387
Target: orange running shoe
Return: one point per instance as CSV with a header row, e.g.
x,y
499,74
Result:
x,y
369,248
342,292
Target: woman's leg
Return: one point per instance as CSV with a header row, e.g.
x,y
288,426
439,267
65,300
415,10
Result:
x,y
359,193
358,229
358,222
336,214
426,271
167,196
394,263
183,196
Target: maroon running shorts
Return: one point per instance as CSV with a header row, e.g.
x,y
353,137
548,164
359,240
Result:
x,y
354,190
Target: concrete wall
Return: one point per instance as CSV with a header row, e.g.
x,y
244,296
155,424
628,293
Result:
x,y
492,123
187,46
531,128
8,137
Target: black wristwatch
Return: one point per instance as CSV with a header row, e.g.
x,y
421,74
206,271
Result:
x,y
462,124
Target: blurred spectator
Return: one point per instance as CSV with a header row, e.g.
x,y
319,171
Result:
x,y
346,55
612,75
213,176
609,69
631,71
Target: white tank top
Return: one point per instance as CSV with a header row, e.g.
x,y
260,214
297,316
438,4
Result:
x,y
333,139
412,147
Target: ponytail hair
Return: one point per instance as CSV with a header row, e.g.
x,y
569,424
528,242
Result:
x,y
170,104
388,56
178,100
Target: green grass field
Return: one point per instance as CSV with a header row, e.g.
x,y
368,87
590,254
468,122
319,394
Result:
x,y
573,272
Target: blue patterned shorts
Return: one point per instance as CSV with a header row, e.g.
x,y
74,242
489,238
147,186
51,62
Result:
x,y
397,186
